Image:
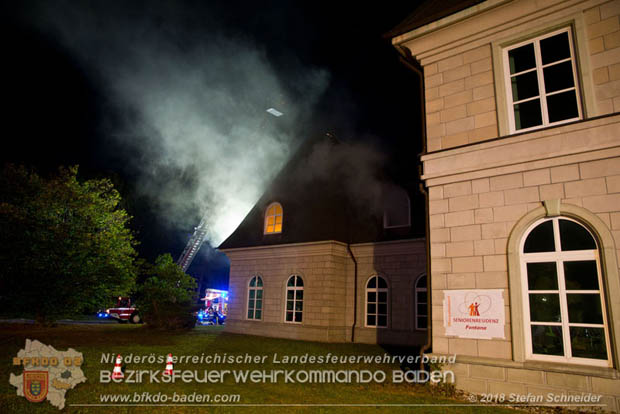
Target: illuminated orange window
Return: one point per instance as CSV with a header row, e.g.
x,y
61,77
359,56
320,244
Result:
x,y
273,219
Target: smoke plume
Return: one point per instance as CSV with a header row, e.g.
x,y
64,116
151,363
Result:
x,y
192,99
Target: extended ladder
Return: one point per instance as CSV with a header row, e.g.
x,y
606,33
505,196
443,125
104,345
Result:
x,y
193,245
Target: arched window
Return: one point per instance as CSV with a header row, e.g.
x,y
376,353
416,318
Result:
x,y
396,207
376,302
294,299
564,304
255,298
421,303
273,219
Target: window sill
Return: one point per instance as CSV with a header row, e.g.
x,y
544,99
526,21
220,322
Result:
x,y
550,125
500,140
601,372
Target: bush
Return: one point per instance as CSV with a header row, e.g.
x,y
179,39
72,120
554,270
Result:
x,y
166,296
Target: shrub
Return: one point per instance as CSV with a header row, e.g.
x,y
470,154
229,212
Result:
x,y
166,296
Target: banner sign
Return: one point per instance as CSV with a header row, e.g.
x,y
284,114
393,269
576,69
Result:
x,y
477,314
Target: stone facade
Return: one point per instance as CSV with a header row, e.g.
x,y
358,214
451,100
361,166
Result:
x,y
328,271
459,54
460,101
486,184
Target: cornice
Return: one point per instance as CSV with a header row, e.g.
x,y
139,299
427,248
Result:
x,y
571,143
328,247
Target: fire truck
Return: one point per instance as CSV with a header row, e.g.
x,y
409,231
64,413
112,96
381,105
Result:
x,y
213,313
124,311
216,307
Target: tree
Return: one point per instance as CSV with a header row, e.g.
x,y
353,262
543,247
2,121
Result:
x,y
65,247
166,295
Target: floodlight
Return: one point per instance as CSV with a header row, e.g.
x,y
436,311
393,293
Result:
x,y
275,112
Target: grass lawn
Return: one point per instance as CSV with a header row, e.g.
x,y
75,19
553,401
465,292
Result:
x,y
93,340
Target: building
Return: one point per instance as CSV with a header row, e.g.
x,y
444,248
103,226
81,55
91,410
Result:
x,y
522,168
330,253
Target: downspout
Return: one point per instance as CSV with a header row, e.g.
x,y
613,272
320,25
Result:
x,y
410,62
354,292
349,239
429,304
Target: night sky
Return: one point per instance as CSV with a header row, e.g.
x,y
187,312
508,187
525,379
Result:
x,y
79,77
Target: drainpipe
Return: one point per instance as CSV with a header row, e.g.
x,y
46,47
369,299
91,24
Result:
x,y
354,292
429,297
410,62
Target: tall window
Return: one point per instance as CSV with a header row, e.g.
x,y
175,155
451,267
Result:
x,y
564,304
541,81
255,298
421,303
294,299
273,219
376,302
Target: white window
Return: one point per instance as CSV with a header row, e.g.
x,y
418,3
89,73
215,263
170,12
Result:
x,y
273,219
396,208
294,299
255,298
377,302
421,303
565,315
541,82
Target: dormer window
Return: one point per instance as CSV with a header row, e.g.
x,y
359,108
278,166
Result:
x,y
396,208
541,82
273,219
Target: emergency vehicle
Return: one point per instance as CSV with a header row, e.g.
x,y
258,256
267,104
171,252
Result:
x,y
124,311
216,307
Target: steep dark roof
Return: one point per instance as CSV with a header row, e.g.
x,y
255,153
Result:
x,y
325,195
428,12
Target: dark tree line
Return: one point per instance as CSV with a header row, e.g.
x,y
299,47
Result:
x,y
66,249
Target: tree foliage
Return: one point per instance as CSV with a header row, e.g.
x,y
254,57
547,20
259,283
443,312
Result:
x,y
65,247
166,295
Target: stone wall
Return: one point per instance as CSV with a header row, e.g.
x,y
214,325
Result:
x,y
462,60
603,28
328,273
460,99
473,212
471,218
484,182
491,378
400,264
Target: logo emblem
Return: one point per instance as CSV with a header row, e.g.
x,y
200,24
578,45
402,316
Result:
x,y
473,309
35,385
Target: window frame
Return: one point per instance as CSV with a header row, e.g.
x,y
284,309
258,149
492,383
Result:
x,y
417,289
559,257
247,302
540,78
294,288
275,216
385,216
377,289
